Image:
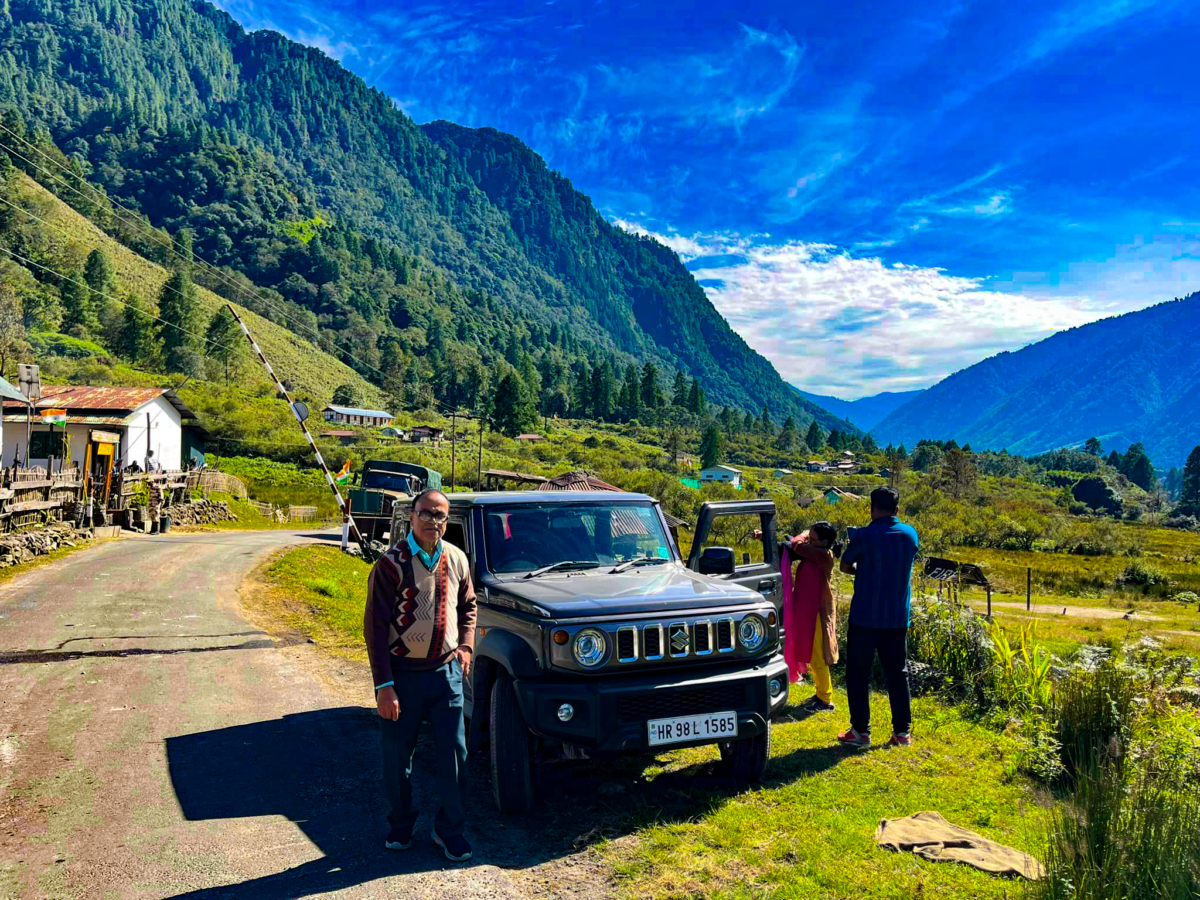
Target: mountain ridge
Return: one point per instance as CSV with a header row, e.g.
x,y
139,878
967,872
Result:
x,y
1124,379
864,412
110,78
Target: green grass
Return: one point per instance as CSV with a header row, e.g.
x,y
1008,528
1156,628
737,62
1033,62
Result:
x,y
318,592
808,831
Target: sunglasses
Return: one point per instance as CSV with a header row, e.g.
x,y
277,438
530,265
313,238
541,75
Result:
x,y
436,518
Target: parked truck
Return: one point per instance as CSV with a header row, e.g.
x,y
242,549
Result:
x,y
378,487
596,635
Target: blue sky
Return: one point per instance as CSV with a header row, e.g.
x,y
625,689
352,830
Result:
x,y
874,194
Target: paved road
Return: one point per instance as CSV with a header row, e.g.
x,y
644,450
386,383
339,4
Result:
x,y
154,744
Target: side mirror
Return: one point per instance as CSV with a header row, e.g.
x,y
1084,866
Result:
x,y
717,561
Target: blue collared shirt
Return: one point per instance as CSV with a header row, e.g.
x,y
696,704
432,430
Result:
x,y
884,552
430,561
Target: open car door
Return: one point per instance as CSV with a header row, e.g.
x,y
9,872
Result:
x,y
725,545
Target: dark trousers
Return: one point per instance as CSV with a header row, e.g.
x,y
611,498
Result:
x,y
436,694
861,646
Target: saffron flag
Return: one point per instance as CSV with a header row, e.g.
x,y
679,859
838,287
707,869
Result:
x,y
344,475
54,417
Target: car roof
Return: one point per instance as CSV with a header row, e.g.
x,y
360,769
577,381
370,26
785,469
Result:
x,y
507,498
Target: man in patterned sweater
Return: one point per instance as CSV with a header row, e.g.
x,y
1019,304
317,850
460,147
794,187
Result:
x,y
419,626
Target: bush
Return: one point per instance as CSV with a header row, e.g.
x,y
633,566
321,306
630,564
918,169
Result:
x,y
1191,598
1121,839
50,343
953,641
1097,493
1093,710
1142,575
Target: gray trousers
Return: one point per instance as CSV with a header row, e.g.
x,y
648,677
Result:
x,y
436,694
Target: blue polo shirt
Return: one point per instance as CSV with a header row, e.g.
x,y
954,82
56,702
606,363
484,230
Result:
x,y
884,552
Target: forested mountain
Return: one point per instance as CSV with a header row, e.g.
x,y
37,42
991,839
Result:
x,y
864,412
434,261
1127,379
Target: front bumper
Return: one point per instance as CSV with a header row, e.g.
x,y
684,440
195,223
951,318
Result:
x,y
611,713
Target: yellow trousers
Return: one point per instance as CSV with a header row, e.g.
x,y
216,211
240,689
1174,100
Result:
x,y
822,681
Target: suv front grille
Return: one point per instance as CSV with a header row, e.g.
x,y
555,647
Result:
x,y
659,704
652,642
702,638
627,644
725,635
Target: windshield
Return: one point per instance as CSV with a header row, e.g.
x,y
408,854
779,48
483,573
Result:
x,y
528,537
387,481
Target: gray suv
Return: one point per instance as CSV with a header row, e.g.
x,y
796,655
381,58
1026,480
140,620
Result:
x,y
596,634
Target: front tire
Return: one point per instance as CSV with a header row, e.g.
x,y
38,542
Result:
x,y
512,756
745,760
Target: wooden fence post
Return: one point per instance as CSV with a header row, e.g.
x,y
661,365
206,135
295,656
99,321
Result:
x,y
1028,588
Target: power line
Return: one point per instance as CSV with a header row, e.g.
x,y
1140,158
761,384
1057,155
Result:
x,y
30,262
171,244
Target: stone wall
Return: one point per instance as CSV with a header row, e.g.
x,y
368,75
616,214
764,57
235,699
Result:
x,y
201,512
25,546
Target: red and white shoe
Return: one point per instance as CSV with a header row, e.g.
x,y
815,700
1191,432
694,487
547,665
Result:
x,y
900,740
852,738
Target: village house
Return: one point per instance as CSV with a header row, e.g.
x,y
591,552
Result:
x,y
783,473
845,467
837,495
117,423
423,434
10,393
348,415
346,437
723,474
530,438
816,465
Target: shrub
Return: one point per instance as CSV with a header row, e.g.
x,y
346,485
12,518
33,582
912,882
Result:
x,y
1121,839
1191,598
1097,493
50,343
1142,575
1093,710
953,641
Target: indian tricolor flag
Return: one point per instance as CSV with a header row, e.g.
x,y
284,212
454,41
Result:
x,y
54,417
344,475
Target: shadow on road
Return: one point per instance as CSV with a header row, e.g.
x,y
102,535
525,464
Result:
x,y
29,657
320,770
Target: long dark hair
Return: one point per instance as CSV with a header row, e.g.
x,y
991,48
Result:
x,y
824,531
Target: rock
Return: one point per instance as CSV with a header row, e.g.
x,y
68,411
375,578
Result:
x,y
25,546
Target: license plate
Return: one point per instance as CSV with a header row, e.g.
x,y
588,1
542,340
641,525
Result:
x,y
714,726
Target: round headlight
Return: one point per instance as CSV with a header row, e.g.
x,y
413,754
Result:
x,y
589,647
752,632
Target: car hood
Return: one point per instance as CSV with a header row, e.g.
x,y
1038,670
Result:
x,y
652,591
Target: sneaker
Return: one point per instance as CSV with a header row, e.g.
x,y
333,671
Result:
x,y
900,740
852,738
455,846
816,704
399,838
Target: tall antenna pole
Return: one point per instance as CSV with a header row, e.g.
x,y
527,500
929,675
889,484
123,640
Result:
x,y
453,445
346,517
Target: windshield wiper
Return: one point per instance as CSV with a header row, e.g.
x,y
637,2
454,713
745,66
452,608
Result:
x,y
566,564
644,561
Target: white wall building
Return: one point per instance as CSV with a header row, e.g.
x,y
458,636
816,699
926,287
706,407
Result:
x,y
130,420
725,474
348,415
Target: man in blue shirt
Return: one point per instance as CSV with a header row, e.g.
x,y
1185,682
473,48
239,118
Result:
x,y
880,557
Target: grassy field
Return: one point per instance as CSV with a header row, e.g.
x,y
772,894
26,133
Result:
x,y
806,832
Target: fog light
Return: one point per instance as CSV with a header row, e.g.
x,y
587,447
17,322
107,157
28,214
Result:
x,y
771,619
776,689
561,638
566,712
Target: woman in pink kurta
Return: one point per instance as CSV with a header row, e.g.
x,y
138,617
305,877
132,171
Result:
x,y
809,613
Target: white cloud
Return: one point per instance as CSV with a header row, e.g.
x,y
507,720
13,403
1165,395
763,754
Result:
x,y
837,323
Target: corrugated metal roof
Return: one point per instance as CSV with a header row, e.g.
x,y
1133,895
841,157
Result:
x,y
351,411
8,392
582,481
123,399
19,418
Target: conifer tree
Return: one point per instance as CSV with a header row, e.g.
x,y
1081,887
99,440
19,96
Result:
x,y
1189,493
631,394
137,334
696,403
79,319
101,280
179,309
652,397
225,341
513,408
814,439
787,437
712,446
1092,446
679,393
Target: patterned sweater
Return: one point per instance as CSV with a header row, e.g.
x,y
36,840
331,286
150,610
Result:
x,y
416,618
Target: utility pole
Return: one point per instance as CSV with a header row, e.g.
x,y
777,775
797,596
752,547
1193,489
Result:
x,y
479,469
453,446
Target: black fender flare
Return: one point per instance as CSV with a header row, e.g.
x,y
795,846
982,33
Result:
x,y
496,650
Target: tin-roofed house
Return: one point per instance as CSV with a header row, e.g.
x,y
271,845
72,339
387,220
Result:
x,y
120,423
349,415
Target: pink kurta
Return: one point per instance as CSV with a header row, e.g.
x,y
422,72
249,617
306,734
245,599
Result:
x,y
805,598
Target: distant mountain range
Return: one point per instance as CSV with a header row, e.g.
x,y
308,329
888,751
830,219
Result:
x,y
1125,379
865,411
